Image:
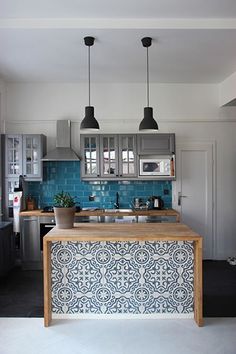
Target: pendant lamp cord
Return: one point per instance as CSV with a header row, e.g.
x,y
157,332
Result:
x,y
89,72
147,79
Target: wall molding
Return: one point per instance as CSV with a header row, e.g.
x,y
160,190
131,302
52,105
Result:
x,y
118,23
125,121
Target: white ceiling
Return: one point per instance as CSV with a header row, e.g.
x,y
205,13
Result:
x,y
194,40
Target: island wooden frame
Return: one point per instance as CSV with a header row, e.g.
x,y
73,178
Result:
x,y
125,232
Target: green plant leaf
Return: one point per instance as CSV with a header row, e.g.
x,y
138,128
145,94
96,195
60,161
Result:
x,y
64,200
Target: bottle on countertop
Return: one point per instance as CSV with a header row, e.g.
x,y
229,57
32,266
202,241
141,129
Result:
x,y
30,204
39,202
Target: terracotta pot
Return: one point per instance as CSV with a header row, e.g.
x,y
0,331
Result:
x,y
64,217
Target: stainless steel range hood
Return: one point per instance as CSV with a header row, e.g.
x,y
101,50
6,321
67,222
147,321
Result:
x,y
63,151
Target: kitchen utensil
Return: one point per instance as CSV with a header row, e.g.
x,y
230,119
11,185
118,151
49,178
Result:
x,y
137,203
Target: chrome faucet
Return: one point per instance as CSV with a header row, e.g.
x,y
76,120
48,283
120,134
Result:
x,y
117,203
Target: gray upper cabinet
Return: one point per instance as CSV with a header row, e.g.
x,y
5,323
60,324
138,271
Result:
x,y
156,144
127,156
89,147
13,155
109,156
115,156
33,151
23,153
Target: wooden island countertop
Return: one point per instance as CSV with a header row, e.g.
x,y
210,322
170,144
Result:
x,y
113,232
124,232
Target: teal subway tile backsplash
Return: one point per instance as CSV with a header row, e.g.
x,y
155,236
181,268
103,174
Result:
x,y
66,176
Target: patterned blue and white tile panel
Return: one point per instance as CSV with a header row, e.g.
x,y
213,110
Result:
x,y
151,277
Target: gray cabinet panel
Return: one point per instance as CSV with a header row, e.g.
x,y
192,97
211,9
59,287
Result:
x,y
33,151
127,155
109,155
156,144
13,155
10,184
89,147
23,153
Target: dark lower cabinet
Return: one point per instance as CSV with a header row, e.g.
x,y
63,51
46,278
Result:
x,y
7,247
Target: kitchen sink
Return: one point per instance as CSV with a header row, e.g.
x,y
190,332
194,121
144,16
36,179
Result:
x,y
118,215
118,210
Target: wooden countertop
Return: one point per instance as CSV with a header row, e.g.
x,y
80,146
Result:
x,y
124,232
101,212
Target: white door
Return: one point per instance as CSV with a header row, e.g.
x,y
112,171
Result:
x,y
193,190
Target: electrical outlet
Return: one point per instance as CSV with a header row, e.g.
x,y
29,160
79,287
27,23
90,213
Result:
x,y
91,198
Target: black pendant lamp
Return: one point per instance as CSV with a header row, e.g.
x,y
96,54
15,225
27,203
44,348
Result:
x,y
148,122
89,121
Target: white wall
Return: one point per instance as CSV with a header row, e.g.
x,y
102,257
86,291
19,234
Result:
x,y
2,104
2,118
190,111
227,91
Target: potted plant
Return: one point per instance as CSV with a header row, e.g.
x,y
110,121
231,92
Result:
x,y
64,210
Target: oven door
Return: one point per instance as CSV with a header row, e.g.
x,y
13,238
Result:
x,y
46,223
44,229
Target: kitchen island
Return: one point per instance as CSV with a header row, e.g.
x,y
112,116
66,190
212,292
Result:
x,y
34,224
123,271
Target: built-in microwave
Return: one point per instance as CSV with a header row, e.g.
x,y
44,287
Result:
x,y
156,167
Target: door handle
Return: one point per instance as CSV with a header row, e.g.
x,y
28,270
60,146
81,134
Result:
x,y
181,196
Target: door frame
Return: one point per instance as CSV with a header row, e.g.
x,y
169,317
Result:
x,y
199,145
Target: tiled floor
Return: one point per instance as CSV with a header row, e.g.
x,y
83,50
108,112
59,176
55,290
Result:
x,y
21,294
28,336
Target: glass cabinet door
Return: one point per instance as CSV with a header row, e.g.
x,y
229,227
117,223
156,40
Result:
x,y
90,160
10,184
13,155
109,156
127,156
31,155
